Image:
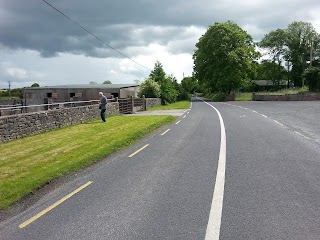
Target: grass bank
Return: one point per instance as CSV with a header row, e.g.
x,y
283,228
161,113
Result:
x,y
247,96
28,163
172,106
286,91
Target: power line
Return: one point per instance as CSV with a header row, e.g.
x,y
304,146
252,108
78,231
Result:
x,y
99,39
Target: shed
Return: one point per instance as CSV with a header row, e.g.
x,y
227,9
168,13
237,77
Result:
x,y
77,92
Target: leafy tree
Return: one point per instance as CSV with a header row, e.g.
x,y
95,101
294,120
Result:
x,y
313,78
93,82
224,57
35,85
158,74
188,86
275,43
136,81
302,39
150,89
168,92
107,82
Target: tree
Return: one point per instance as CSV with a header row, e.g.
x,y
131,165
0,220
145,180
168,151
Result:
x,y
35,85
168,92
302,39
93,82
158,74
275,43
188,86
136,81
150,89
224,57
312,76
107,82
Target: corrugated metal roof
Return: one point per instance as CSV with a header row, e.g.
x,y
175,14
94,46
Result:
x,y
91,86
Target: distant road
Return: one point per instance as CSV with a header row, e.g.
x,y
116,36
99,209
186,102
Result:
x,y
163,186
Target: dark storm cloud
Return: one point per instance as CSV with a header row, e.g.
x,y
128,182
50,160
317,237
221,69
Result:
x,y
123,24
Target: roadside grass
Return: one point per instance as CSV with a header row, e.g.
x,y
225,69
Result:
x,y
286,91
243,96
27,164
172,106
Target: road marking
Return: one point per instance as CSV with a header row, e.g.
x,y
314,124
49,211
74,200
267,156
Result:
x,y
178,122
165,132
254,111
278,122
184,116
139,150
301,135
264,116
214,222
26,223
188,112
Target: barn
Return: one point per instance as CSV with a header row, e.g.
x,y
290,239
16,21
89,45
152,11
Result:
x,y
77,92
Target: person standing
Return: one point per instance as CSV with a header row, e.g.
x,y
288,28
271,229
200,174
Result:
x,y
103,106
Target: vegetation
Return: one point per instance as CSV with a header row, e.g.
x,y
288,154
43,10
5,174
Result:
x,y
224,57
14,93
35,85
28,163
168,92
299,45
172,106
226,61
107,82
150,89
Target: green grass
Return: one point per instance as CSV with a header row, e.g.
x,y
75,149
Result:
x,y
246,96
27,164
172,106
286,91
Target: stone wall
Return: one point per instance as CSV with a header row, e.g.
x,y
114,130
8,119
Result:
x,y
153,102
287,97
17,126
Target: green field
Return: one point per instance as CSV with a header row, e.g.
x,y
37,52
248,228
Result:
x,y
172,106
27,164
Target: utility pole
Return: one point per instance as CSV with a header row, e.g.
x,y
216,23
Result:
x,y
311,53
9,89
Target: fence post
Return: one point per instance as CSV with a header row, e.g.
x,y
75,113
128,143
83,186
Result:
x,y
144,102
132,104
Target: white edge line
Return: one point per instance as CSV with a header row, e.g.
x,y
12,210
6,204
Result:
x,y
278,122
214,222
264,116
301,135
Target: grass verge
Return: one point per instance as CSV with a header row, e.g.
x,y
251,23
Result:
x,y
286,91
172,106
27,164
245,96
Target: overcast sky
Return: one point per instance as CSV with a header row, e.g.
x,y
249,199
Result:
x,y
37,44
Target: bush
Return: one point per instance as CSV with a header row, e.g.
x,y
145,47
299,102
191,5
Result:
x,y
150,89
313,78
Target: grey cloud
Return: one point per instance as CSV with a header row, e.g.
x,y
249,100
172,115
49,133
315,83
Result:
x,y
125,23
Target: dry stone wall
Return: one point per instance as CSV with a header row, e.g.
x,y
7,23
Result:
x,y
152,102
17,126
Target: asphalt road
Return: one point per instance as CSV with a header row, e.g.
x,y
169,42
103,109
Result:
x,y
165,191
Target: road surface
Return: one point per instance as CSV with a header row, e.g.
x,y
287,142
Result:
x,y
179,184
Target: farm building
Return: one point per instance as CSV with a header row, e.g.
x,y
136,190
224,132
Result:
x,y
77,92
